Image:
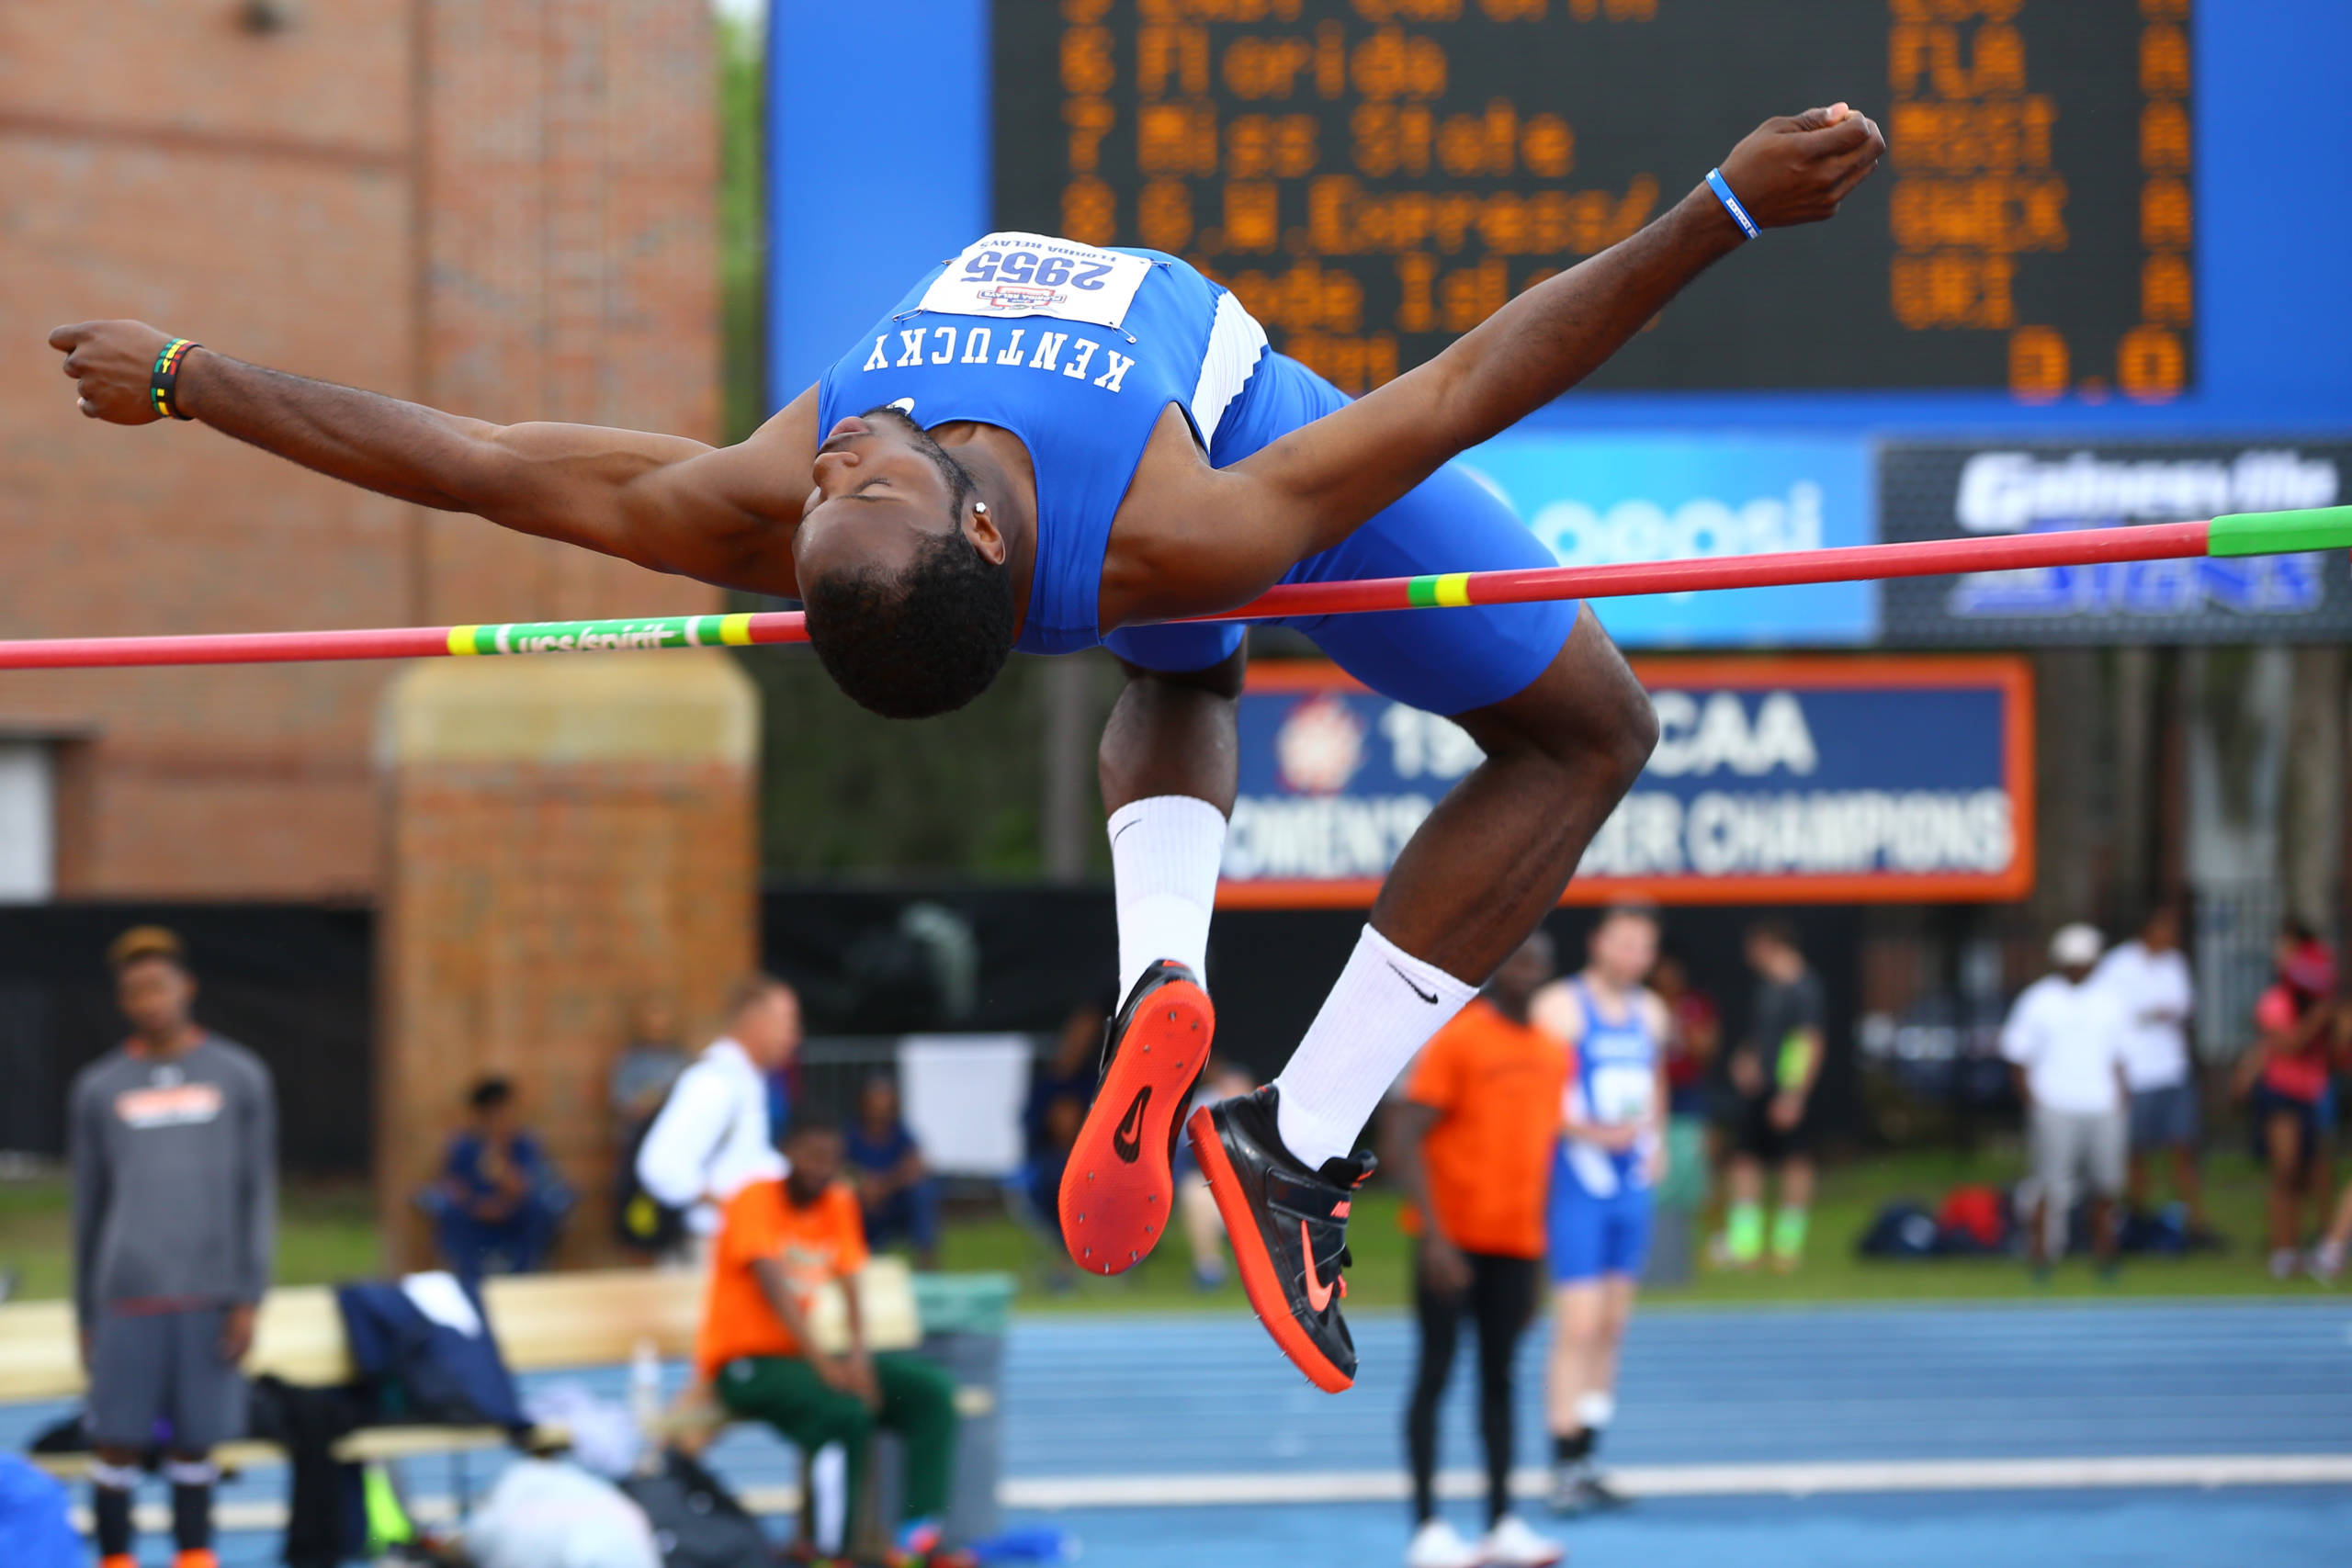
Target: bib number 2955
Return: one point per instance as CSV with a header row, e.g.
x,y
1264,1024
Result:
x,y
1028,267
1036,274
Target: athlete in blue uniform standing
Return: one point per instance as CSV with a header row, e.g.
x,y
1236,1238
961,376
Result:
x,y
1612,1154
1048,446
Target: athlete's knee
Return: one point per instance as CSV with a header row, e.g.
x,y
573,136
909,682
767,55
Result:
x,y
1586,716
1628,726
1222,679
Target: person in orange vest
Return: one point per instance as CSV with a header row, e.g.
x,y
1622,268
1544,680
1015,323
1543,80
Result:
x,y
1471,1143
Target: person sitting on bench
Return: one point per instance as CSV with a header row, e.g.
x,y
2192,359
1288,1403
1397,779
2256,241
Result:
x,y
779,1244
499,1202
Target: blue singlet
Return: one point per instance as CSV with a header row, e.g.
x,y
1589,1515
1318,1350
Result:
x,y
1007,335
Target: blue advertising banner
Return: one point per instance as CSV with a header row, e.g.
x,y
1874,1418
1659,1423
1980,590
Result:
x,y
1775,781
1597,501
1933,491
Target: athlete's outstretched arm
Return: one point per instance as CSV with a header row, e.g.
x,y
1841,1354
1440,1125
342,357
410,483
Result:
x,y
1308,491
722,514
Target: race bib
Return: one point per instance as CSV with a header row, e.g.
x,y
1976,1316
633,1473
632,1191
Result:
x,y
1035,275
1621,1093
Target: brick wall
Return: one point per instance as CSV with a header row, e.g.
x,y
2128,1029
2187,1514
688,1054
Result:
x,y
501,206
568,837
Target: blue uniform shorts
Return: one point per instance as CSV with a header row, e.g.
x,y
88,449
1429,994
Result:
x,y
1592,1237
1444,661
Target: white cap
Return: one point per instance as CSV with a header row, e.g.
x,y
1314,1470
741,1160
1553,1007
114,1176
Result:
x,y
2077,947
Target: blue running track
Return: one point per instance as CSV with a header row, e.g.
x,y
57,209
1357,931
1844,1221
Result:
x,y
1725,1415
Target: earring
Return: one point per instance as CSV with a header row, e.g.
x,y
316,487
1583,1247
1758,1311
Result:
x,y
981,507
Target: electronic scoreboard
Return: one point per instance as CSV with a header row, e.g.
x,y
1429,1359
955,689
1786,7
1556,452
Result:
x,y
1374,177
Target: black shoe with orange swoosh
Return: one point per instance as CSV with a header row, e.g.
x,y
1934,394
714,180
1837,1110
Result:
x,y
1117,1191
1289,1229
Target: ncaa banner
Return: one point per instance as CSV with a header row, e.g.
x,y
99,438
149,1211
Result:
x,y
1822,779
1602,500
1963,491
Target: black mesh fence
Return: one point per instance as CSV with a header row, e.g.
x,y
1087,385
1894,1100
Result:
x,y
293,983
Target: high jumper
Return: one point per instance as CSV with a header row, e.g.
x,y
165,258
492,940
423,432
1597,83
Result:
x,y
1050,447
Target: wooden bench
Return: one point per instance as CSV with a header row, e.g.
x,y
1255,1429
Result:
x,y
544,1322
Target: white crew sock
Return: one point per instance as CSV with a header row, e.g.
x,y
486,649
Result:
x,y
1385,1008
1164,855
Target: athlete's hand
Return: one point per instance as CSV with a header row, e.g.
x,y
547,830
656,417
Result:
x,y
1442,1265
236,1334
111,363
1746,1072
1797,169
1787,1111
862,1380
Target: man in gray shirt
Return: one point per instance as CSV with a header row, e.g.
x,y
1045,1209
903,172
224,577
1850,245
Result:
x,y
175,1150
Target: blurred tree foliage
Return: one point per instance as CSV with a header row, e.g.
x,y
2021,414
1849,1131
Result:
x,y
841,791
743,228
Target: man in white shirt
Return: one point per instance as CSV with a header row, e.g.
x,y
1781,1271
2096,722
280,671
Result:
x,y
2149,979
2065,1039
712,1135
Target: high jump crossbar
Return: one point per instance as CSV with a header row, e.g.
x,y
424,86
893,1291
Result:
x,y
2240,534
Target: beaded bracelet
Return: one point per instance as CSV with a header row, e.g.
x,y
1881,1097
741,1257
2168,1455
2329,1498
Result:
x,y
163,384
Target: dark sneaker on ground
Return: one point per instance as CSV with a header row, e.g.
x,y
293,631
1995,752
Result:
x,y
1578,1489
1289,1229
1117,1191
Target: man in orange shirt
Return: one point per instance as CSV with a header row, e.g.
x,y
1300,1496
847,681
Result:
x,y
1471,1145
780,1242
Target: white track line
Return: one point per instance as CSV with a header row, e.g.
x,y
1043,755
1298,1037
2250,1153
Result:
x,y
1695,1480
1242,1489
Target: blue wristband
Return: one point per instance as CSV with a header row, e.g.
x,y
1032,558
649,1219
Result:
x,y
1721,188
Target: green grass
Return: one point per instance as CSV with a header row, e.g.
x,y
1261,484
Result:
x,y
1851,1194
328,1234
325,1233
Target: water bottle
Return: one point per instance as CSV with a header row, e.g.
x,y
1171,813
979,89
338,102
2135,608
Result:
x,y
645,1403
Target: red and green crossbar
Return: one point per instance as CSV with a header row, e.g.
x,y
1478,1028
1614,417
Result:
x,y
2244,533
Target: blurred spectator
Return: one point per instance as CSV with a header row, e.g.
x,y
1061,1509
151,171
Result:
x,y
2327,1258
498,1200
2065,1038
1070,1071
646,1070
781,1083
1471,1145
1773,1076
2286,1078
713,1134
1694,1033
1064,1115
1061,1085
896,1193
1204,1227
2149,979
1612,1155
173,1143
781,1244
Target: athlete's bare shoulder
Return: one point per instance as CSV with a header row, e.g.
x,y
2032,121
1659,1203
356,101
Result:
x,y
728,516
